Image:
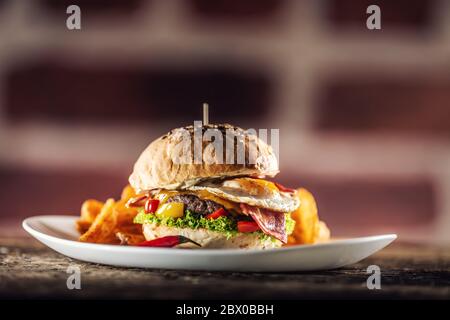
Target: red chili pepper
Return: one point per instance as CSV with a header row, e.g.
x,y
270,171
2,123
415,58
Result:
x,y
216,214
283,188
167,242
137,201
151,205
247,226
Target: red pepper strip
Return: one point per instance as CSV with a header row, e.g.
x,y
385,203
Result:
x,y
283,188
137,201
167,242
216,214
247,226
151,205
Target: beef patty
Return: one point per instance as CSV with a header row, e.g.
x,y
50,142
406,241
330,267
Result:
x,y
195,204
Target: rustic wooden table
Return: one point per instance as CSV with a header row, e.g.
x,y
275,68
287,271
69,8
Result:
x,y
30,270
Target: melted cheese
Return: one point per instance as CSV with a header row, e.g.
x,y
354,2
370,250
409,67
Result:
x,y
229,205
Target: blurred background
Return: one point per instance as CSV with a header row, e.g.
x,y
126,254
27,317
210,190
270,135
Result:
x,y
364,116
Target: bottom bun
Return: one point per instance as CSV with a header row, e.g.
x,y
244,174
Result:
x,y
211,239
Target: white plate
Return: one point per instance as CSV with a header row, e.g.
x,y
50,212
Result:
x,y
59,233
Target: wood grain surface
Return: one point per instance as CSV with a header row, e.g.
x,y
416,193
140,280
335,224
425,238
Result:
x,y
30,270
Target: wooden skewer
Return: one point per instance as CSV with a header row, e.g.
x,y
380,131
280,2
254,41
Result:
x,y
205,114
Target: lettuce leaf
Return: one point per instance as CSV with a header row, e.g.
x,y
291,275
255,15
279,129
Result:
x,y
224,224
190,220
290,224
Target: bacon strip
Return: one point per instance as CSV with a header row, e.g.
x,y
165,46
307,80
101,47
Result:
x,y
138,201
271,222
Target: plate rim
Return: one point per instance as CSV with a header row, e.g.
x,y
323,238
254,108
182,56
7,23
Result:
x,y
110,247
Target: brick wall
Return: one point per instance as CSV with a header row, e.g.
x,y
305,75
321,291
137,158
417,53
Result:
x,y
364,115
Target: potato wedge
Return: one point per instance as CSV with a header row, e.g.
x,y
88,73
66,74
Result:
x,y
307,224
124,215
322,233
110,222
103,228
89,211
127,193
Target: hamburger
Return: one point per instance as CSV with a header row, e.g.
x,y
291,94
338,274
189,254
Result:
x,y
222,201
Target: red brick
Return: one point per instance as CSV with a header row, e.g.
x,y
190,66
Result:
x,y
414,105
93,6
242,11
415,14
93,12
59,90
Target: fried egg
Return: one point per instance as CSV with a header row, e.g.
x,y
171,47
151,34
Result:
x,y
255,192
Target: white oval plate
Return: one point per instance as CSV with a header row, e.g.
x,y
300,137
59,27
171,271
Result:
x,y
59,233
